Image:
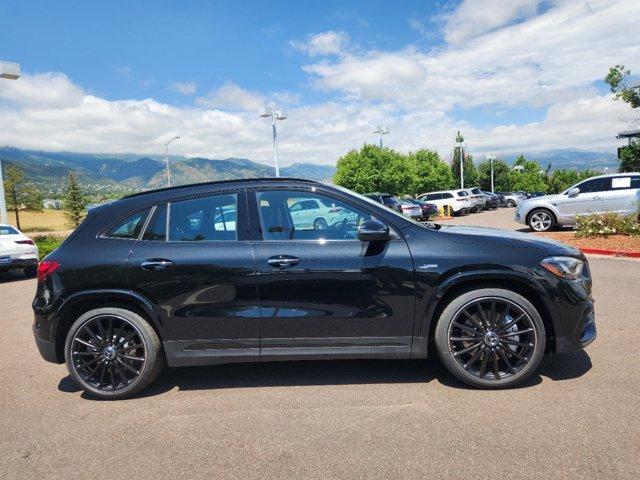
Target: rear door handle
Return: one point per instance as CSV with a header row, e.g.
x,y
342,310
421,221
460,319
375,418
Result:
x,y
156,264
283,261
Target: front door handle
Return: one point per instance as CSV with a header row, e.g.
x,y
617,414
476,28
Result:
x,y
156,264
283,261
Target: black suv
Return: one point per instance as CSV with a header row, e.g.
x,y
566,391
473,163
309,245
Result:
x,y
233,272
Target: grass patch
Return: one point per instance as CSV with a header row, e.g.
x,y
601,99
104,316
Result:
x,y
45,221
47,244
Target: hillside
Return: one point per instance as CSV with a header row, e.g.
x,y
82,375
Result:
x,y
118,174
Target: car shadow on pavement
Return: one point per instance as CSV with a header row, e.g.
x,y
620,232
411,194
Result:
x,y
12,276
334,372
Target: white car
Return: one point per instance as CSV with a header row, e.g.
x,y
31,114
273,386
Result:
x,y
618,193
458,201
311,213
17,252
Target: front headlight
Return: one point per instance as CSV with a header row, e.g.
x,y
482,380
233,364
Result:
x,y
563,267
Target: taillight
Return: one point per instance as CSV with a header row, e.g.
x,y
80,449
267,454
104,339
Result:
x,y
46,268
26,242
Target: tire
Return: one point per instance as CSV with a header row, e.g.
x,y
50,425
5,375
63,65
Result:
x,y
541,220
498,343
511,203
30,272
320,224
143,348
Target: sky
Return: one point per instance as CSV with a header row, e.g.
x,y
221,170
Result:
x,y
124,77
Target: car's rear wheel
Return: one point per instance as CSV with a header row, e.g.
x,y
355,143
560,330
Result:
x,y
490,338
541,220
320,224
511,203
30,272
113,353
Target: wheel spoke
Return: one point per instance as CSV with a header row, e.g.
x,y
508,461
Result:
x,y
520,332
126,339
129,357
467,328
519,344
506,361
511,323
483,364
113,380
88,344
87,354
492,315
474,357
468,349
496,369
482,315
93,336
473,319
465,339
128,367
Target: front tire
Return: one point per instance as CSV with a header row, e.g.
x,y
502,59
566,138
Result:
x,y
490,338
511,203
541,220
113,353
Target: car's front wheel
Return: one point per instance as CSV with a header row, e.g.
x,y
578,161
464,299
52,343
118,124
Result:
x,y
511,203
113,353
490,338
541,220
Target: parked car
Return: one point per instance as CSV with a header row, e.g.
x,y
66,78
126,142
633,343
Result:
x,y
386,199
479,200
535,194
17,251
619,193
168,290
410,209
428,209
455,201
502,202
490,201
316,214
512,198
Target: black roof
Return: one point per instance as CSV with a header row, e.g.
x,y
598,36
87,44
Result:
x,y
221,182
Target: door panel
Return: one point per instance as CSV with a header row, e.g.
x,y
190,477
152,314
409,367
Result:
x,y
333,295
623,197
589,200
204,287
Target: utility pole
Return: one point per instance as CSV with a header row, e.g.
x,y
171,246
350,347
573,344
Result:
x,y
10,71
275,115
166,158
460,141
381,131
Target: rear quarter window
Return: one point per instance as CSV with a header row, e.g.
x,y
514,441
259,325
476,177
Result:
x,y
128,228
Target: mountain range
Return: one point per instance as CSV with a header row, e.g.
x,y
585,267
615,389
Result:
x,y
117,174
114,175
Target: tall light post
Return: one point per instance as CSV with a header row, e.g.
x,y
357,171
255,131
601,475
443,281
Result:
x,y
381,131
10,71
275,115
460,141
166,158
491,158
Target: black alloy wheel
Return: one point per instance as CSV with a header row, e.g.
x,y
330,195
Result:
x,y
491,338
112,353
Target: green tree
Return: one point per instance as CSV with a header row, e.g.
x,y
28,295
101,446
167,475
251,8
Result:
x,y
560,180
428,172
630,157
618,80
470,173
19,194
500,175
528,178
73,201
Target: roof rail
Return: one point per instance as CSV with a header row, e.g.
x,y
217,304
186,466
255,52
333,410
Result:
x,y
220,182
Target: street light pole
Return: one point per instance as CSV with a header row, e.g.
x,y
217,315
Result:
x,y
10,71
166,158
275,115
491,159
461,165
381,131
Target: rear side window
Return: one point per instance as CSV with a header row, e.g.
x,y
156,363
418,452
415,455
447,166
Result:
x,y
462,193
625,183
7,230
447,195
130,227
208,218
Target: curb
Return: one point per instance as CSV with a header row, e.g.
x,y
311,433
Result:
x,y
615,253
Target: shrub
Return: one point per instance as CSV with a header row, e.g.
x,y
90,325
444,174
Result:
x,y
605,224
47,244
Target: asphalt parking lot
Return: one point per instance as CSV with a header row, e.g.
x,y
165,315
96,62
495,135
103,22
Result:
x,y
578,418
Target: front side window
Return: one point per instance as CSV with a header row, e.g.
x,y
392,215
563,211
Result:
x,y
202,219
595,185
283,218
129,228
157,227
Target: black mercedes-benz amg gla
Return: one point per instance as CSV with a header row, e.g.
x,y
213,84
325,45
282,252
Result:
x,y
281,269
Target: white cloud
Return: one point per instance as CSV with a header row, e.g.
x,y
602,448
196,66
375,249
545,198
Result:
x,y
322,44
184,88
477,17
417,26
232,97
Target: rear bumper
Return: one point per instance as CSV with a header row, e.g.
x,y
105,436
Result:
x,y
24,261
46,348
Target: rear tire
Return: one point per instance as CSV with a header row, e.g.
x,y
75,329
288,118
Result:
x,y
113,353
511,203
490,338
30,272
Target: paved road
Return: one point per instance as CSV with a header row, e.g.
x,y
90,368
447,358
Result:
x,y
579,418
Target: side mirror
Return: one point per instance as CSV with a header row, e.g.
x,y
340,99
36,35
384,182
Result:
x,y
573,192
373,231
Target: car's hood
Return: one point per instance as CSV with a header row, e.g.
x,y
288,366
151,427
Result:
x,y
496,237
544,198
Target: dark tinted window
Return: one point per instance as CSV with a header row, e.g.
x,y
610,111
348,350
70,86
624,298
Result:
x,y
130,227
595,185
208,218
447,195
157,227
7,230
389,200
332,220
462,193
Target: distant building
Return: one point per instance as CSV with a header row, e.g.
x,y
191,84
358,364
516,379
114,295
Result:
x,y
52,204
